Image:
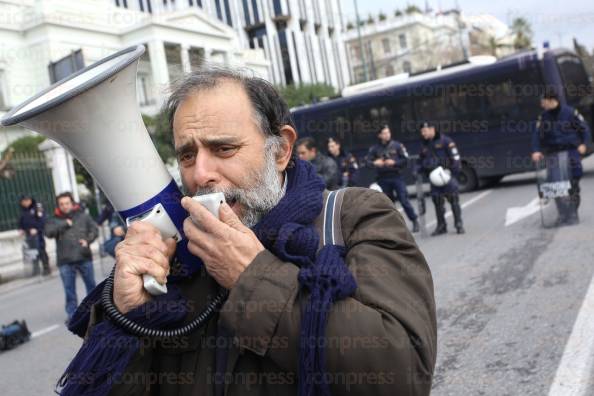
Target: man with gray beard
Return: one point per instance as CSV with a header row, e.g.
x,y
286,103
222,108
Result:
x,y
263,192
307,312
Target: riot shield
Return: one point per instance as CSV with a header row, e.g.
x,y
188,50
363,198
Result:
x,y
553,178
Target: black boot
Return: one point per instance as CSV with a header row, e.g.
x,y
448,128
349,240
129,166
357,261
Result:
x,y
454,199
415,227
440,229
439,202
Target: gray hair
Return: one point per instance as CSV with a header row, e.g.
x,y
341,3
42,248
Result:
x,y
270,110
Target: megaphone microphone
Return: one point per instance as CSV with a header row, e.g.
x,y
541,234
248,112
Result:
x,y
94,114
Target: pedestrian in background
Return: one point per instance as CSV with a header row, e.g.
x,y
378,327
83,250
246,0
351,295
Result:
x,y
117,228
389,157
440,161
345,161
325,166
31,224
74,231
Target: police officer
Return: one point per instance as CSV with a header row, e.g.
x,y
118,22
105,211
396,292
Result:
x,y
440,161
345,161
390,157
325,166
561,128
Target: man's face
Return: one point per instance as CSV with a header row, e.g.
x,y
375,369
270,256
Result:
x,y
428,133
385,135
220,148
305,154
333,148
25,203
65,205
549,104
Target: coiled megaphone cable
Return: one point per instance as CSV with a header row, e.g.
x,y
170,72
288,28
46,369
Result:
x,y
134,328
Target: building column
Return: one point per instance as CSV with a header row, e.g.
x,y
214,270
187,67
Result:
x,y
207,55
62,166
158,69
185,58
226,57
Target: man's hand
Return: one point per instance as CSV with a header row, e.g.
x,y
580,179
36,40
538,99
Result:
x,y
83,242
389,162
119,231
32,231
69,222
581,149
227,247
379,163
141,252
537,156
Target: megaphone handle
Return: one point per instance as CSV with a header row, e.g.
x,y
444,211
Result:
x,y
158,217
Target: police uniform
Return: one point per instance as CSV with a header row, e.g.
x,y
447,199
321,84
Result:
x,y
563,129
348,167
389,178
442,151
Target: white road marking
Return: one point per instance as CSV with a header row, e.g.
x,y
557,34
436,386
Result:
x,y
463,205
44,331
515,214
574,374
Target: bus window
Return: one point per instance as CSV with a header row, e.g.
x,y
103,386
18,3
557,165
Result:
x,y
575,78
328,124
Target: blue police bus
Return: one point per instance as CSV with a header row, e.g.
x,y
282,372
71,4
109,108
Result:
x,y
487,106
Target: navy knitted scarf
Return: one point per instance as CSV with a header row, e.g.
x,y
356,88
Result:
x,y
288,232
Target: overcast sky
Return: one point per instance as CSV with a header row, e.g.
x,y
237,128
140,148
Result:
x,y
555,21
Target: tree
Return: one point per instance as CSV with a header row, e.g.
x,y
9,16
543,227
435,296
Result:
x,y
523,33
26,144
412,9
297,95
350,26
370,20
397,13
382,16
161,135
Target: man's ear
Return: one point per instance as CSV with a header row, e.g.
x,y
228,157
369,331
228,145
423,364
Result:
x,y
283,157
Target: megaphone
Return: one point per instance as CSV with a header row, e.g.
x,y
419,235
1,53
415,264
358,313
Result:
x,y
94,114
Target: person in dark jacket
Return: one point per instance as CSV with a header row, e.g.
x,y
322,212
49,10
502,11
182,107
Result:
x,y
389,157
562,128
346,162
117,228
74,231
31,224
381,339
439,150
325,166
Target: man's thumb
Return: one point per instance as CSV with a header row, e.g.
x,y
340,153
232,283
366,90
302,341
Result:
x,y
228,216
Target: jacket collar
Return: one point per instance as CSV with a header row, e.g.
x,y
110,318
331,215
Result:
x,y
59,213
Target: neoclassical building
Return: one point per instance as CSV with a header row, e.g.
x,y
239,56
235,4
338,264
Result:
x,y
302,39
42,41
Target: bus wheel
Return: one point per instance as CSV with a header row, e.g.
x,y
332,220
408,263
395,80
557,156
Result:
x,y
467,179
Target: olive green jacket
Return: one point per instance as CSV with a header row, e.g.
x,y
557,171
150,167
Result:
x,y
380,341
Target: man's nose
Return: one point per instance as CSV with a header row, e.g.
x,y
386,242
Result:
x,y
205,170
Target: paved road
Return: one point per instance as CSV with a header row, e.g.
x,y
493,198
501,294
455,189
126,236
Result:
x,y
507,300
507,297
34,367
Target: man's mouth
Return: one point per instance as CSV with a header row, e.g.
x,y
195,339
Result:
x,y
231,202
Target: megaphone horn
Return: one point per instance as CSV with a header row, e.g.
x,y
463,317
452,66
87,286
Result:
x,y
94,113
